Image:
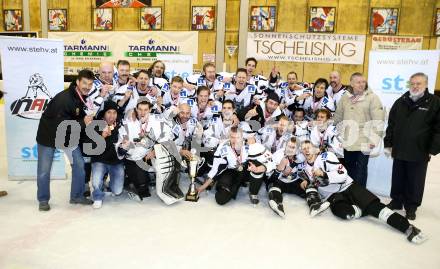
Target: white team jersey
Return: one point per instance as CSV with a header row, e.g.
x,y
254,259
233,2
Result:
x,y
156,128
94,98
338,178
336,96
302,131
183,132
258,153
216,132
169,101
161,83
200,80
227,158
282,90
203,116
261,82
241,98
291,96
267,136
311,106
132,102
327,139
297,166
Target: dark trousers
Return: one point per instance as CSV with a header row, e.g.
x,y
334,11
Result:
x,y
230,181
356,164
341,205
408,183
139,177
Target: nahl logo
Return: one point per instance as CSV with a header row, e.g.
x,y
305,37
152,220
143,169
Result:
x,y
34,102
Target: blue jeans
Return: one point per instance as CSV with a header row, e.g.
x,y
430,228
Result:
x,y
356,164
45,159
116,173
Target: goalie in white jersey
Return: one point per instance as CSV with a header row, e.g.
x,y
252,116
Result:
x,y
349,200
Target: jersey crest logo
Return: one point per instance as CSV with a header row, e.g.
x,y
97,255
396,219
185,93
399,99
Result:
x,y
200,82
165,87
284,85
251,89
227,86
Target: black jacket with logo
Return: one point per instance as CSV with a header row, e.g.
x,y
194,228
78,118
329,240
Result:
x,y
413,130
109,156
66,105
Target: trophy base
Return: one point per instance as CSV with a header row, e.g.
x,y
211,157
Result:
x,y
192,197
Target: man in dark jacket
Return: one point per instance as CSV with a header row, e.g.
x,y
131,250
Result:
x,y
68,105
108,161
412,136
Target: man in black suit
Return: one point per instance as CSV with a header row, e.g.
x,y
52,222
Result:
x,y
412,137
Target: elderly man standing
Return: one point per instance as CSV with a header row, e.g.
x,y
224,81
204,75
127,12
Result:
x,y
412,136
362,115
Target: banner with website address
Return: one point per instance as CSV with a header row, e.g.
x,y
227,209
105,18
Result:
x,y
388,77
306,47
32,75
136,47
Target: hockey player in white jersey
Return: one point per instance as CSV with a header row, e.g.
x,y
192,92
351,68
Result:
x,y
292,93
349,200
208,78
235,163
319,100
240,92
158,78
301,126
157,70
218,128
324,135
201,108
289,177
185,128
215,133
122,75
145,141
263,111
275,136
255,79
128,95
103,88
135,149
336,89
176,94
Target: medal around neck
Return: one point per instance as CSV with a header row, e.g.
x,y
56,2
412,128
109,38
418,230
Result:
x,y
240,168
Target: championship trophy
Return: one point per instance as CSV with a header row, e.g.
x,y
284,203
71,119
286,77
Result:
x,y
192,194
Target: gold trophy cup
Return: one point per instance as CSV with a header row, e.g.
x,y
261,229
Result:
x,y
192,194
